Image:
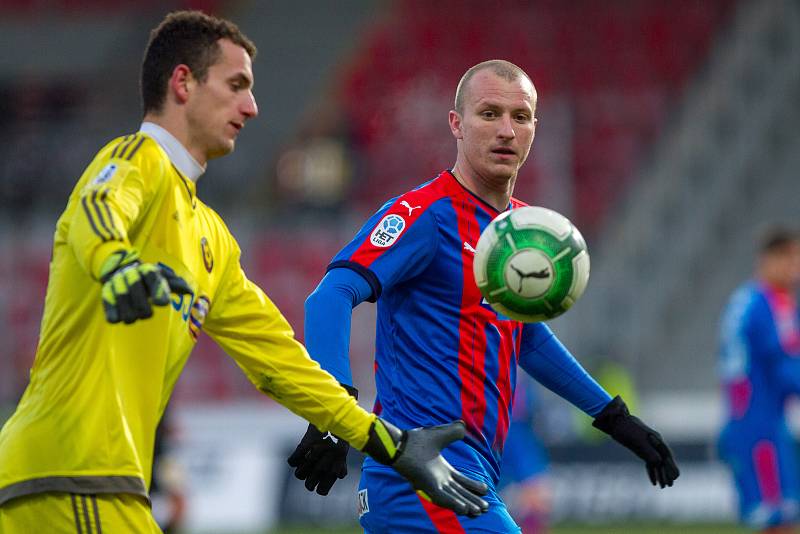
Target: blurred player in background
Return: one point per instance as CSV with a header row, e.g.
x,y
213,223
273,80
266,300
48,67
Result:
x,y
168,483
442,352
760,366
524,484
77,453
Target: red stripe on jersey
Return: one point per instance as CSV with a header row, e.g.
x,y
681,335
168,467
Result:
x,y
409,207
784,310
471,324
505,354
377,408
444,520
768,475
516,203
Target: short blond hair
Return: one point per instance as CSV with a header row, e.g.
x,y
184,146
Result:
x,y
500,67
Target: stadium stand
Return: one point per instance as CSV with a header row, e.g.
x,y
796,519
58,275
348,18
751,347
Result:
x,y
615,86
621,66
681,239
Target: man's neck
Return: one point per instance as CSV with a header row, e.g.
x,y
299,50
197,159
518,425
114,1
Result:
x,y
179,130
496,194
773,281
176,151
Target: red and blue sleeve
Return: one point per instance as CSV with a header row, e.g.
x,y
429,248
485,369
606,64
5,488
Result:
x,y
547,360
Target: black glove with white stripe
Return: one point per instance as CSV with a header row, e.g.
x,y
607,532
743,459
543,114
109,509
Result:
x,y
321,458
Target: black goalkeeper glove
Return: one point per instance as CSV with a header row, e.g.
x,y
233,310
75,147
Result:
x,y
130,287
321,458
616,421
415,455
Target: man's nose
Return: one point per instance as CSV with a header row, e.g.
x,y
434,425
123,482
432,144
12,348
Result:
x,y
250,108
506,128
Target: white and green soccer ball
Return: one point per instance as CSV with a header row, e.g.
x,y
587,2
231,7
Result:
x,y
531,264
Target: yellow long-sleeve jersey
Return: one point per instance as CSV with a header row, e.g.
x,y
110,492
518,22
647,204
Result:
x,y
87,420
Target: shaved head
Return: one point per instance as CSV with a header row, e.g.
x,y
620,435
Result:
x,y
500,67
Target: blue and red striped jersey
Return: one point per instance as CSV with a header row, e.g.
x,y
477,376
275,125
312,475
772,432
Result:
x,y
442,353
759,356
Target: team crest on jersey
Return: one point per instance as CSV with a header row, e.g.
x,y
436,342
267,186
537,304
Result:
x,y
388,230
208,259
105,175
197,316
362,506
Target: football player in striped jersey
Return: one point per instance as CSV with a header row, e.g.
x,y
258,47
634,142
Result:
x,y
442,352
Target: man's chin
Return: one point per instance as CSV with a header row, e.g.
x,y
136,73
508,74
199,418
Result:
x,y
503,173
222,150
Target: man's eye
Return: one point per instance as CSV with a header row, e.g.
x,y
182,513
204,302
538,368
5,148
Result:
x,y
487,114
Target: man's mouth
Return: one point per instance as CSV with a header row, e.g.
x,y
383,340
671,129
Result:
x,y
504,151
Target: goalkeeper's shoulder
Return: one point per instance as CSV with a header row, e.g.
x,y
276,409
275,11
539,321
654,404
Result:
x,y
137,150
135,153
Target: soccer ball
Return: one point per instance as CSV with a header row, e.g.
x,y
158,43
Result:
x,y
531,264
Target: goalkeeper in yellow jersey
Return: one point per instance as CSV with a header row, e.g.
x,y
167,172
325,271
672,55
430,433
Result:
x,y
140,266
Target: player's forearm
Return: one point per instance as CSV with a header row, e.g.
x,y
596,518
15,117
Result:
x,y
91,247
252,331
296,381
554,367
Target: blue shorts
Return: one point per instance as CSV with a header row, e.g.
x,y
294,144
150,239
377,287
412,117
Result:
x,y
388,505
767,479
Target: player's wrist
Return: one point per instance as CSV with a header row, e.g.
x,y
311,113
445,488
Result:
x,y
611,415
385,442
109,257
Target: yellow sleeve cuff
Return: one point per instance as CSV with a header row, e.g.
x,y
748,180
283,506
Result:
x,y
101,254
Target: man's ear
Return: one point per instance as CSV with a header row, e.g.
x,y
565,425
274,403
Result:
x,y
455,124
181,83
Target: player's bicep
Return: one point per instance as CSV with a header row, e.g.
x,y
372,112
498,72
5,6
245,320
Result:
x,y
107,204
252,331
248,326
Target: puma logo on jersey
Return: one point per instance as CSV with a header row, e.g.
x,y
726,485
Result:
x,y
410,208
469,247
